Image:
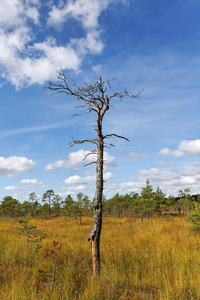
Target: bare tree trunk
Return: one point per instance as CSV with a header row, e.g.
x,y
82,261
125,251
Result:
x,y
97,208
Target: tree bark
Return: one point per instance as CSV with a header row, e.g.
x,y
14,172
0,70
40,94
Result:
x,y
97,207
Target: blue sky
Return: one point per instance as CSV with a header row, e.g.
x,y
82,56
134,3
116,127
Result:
x,y
147,45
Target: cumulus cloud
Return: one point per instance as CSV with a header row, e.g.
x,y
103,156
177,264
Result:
x,y
108,176
132,185
156,175
78,188
14,12
170,181
192,170
15,165
191,147
109,161
31,181
170,153
92,43
76,179
15,34
76,158
14,188
24,59
86,12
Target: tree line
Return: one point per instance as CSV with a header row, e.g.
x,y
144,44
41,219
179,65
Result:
x,y
144,205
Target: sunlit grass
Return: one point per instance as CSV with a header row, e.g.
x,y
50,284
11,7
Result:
x,y
153,260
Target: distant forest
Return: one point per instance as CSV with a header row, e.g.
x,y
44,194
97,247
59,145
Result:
x,y
144,205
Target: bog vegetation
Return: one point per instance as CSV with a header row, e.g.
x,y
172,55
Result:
x,y
150,247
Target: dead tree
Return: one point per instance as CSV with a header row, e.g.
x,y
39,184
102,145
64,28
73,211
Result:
x,y
93,98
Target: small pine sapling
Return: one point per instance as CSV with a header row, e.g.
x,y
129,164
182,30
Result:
x,y
29,231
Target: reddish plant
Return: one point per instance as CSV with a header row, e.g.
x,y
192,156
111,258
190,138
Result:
x,y
49,277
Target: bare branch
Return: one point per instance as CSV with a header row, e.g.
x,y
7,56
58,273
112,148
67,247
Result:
x,y
115,135
63,87
105,146
93,162
81,106
108,144
92,152
83,113
94,141
123,94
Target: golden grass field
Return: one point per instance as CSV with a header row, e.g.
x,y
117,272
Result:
x,y
153,260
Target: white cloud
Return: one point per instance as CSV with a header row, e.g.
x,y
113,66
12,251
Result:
x,y
15,34
192,170
97,69
14,165
156,175
32,70
191,147
91,43
24,60
76,158
31,181
130,186
84,11
108,176
109,161
14,12
170,181
73,189
77,188
170,153
76,179
14,188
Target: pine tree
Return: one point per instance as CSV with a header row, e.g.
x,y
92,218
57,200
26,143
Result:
x,y
146,199
159,200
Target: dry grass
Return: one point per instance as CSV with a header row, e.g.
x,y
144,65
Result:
x,y
154,260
